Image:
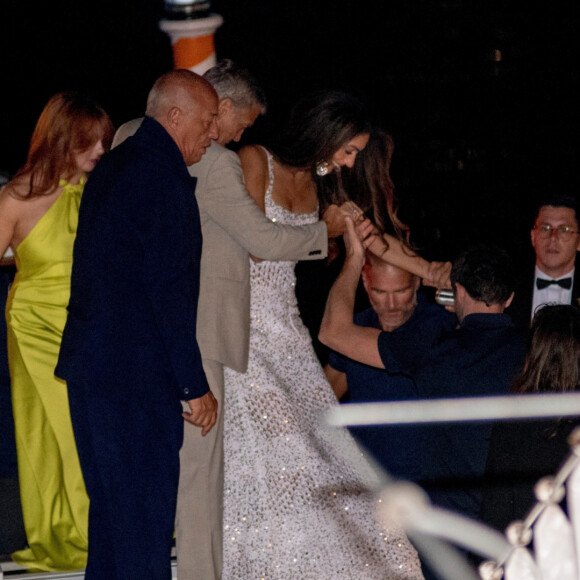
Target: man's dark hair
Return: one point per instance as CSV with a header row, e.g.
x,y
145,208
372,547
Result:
x,y
568,200
486,273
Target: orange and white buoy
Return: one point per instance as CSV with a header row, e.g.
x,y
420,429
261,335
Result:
x,y
192,41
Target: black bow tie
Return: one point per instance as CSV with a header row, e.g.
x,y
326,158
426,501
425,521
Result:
x,y
542,283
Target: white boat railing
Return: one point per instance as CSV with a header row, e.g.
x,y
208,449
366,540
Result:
x,y
435,532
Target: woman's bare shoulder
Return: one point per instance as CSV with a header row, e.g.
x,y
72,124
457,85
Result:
x,y
255,167
254,157
11,194
18,188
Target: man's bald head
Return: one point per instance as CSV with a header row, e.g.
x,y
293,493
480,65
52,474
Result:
x,y
176,88
185,104
392,292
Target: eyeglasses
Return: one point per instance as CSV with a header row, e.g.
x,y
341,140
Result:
x,y
564,232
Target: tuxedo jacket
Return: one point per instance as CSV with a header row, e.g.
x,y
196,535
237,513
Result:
x,y
234,227
520,309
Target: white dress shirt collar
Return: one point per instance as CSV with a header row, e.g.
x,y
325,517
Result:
x,y
552,294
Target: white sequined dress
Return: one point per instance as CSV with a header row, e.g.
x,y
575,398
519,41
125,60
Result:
x,y
292,508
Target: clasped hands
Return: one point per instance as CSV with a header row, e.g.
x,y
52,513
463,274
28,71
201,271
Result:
x,y
335,216
361,233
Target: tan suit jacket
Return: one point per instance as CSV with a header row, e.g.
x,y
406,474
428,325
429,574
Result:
x,y
233,227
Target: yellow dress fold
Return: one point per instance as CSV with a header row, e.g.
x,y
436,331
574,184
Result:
x,y
54,500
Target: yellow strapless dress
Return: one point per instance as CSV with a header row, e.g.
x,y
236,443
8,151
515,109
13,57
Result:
x,y
54,500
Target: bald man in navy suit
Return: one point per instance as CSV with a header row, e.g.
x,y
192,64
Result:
x,y
129,352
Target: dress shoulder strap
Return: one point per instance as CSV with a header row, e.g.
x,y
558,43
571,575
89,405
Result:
x,y
270,158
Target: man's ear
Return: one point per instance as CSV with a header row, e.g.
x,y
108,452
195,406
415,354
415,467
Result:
x,y
366,278
533,232
174,116
225,105
509,300
416,282
459,291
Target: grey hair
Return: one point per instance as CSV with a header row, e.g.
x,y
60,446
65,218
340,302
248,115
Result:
x,y
233,82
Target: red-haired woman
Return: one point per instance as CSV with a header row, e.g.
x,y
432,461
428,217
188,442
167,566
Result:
x,y
38,220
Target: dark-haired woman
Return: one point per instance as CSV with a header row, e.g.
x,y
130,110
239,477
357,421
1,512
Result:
x,y
294,508
38,220
522,452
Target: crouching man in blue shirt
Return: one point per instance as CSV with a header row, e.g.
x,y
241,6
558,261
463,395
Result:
x,y
400,308
481,356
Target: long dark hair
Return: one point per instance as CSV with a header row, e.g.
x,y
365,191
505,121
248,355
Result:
x,y
552,361
319,125
371,187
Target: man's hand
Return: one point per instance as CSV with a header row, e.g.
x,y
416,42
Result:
x,y
366,231
335,215
356,240
204,412
438,275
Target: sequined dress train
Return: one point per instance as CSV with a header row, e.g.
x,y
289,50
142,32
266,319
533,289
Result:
x,y
292,508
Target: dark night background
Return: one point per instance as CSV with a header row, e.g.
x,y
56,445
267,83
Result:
x,y
476,138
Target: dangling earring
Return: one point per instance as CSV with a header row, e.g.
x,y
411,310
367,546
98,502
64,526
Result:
x,y
322,168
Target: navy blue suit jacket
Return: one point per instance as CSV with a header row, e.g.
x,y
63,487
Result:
x,y
135,278
129,352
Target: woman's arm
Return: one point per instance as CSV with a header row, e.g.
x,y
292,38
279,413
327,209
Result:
x,y
393,251
8,220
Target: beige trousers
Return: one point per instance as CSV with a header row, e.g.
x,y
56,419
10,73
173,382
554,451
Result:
x,y
199,527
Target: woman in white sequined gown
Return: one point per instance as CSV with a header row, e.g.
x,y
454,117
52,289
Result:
x,y
293,509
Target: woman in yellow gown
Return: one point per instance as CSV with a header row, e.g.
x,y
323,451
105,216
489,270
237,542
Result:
x,y
38,220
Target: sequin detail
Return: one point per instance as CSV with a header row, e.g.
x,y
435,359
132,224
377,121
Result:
x,y
293,510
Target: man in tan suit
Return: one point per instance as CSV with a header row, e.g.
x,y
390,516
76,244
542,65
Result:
x,y
233,227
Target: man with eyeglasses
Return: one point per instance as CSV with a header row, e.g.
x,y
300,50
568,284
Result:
x,y
556,241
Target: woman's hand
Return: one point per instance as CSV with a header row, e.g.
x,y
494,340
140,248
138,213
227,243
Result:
x,y
352,210
334,217
438,275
